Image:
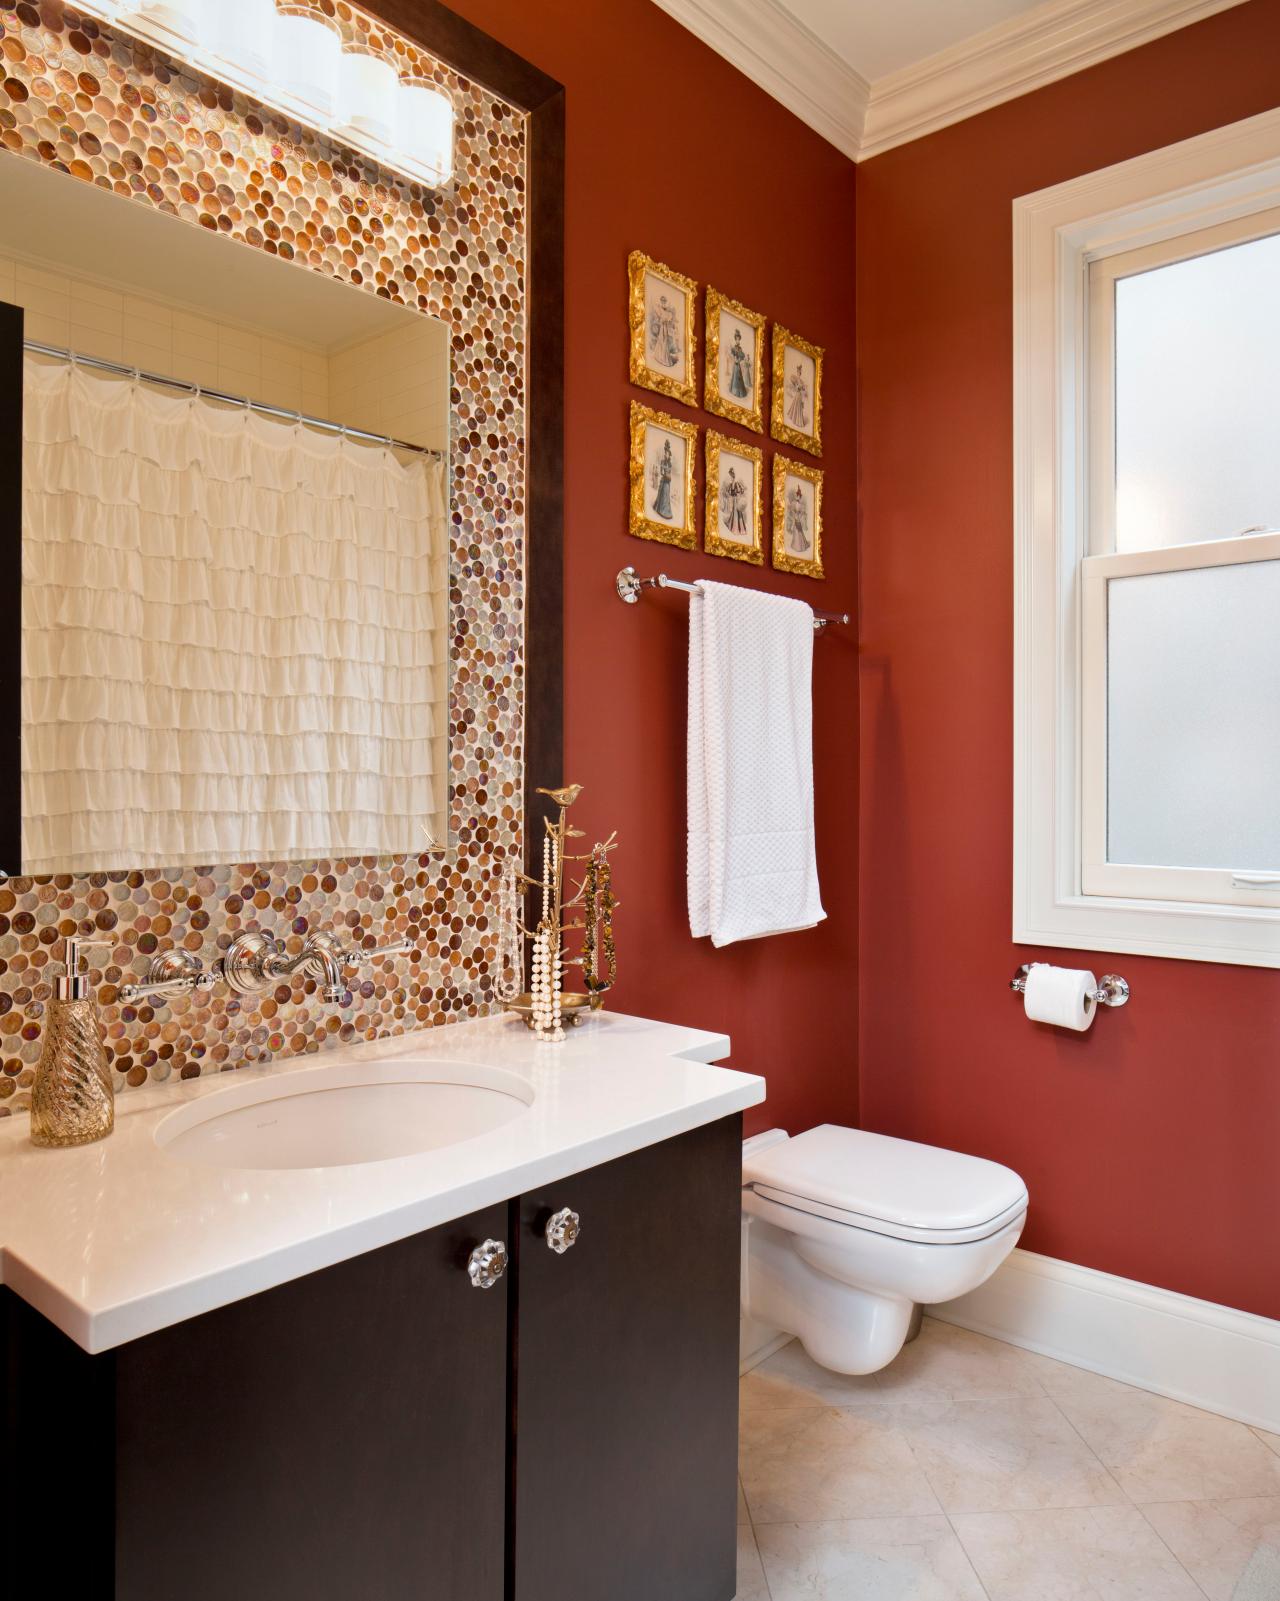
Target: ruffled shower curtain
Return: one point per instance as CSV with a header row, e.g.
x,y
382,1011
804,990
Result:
x,y
234,640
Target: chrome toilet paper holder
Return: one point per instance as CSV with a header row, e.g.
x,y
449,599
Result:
x,y
1112,990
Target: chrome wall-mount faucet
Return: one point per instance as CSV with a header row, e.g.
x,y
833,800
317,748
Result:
x,y
253,962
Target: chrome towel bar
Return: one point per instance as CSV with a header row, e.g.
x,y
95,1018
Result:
x,y
629,587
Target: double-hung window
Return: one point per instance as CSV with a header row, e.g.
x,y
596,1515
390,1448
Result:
x,y
1147,379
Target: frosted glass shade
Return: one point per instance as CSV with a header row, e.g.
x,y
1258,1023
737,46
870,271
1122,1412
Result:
x,y
292,59
187,20
307,56
1193,718
425,133
243,33
1197,396
368,95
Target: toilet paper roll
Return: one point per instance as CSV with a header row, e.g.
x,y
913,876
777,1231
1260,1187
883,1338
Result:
x,y
1060,995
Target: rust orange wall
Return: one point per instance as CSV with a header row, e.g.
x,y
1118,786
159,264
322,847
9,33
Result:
x,y
673,152
1149,1144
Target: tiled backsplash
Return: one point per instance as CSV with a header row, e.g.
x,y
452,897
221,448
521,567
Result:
x,y
109,112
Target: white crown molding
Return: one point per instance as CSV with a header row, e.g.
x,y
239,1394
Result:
x,y
1207,1355
767,44
1038,47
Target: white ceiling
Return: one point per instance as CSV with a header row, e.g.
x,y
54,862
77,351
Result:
x,y
877,37
872,74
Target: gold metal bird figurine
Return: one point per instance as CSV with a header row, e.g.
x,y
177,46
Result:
x,y
564,796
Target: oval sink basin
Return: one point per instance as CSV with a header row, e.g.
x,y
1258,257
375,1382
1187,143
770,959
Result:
x,y
344,1116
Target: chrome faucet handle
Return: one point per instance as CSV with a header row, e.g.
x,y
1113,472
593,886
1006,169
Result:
x,y
244,964
175,972
256,959
355,956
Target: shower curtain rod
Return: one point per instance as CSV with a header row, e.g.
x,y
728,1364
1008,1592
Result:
x,y
137,373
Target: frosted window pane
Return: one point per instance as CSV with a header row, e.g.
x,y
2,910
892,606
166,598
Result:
x,y
1193,718
1198,398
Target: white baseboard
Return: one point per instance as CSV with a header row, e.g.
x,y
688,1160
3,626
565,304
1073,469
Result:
x,y
752,1358
1195,1351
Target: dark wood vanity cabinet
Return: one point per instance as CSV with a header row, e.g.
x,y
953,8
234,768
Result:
x,y
382,1430
342,1435
627,1379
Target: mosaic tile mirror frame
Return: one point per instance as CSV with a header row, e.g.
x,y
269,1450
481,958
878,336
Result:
x,y
478,255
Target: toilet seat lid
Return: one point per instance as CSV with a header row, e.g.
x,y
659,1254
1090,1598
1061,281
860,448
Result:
x,y
874,1180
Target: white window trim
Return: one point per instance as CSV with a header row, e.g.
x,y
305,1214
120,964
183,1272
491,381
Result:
x,y
1200,183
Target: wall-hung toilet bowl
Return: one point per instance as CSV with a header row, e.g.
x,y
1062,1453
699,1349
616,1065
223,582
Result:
x,y
846,1232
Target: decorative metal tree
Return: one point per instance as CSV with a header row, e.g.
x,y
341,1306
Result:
x,y
545,1006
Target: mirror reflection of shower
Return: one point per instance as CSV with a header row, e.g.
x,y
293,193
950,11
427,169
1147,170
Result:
x,y
235,516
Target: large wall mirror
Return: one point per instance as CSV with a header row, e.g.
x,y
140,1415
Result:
x,y
235,557
278,676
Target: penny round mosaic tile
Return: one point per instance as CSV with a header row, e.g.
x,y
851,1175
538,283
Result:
x,y
111,112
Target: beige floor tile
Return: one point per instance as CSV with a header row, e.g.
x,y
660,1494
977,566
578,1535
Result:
x,y
1061,1379
999,1456
1161,1450
1080,1554
946,1363
1216,1540
868,1559
751,1580
817,1464
952,1364
791,1378
1272,1440
743,1515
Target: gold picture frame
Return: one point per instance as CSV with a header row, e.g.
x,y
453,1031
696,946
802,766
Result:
x,y
728,461
655,465
722,374
797,517
663,336
796,417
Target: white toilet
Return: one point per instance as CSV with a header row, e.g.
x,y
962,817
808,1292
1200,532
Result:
x,y
846,1233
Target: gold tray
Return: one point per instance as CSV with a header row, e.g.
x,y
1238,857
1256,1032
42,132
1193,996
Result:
x,y
573,1007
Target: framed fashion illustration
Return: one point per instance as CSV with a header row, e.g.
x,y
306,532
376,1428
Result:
x,y
796,417
664,344
662,503
733,525
733,380
797,518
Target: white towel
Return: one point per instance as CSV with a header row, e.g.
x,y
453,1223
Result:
x,y
752,868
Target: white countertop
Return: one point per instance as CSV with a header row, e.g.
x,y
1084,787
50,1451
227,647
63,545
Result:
x,y
117,1239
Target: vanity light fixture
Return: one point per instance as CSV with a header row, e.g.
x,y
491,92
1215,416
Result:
x,y
290,57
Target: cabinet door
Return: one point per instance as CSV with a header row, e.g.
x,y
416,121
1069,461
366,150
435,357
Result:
x,y
340,1436
627,1379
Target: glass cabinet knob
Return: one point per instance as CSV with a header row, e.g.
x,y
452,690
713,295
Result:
x,y
486,1264
562,1230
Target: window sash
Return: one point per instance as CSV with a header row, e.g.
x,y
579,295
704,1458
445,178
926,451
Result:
x,y
1098,876
1103,275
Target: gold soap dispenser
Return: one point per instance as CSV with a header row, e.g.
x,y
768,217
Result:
x,y
72,1101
